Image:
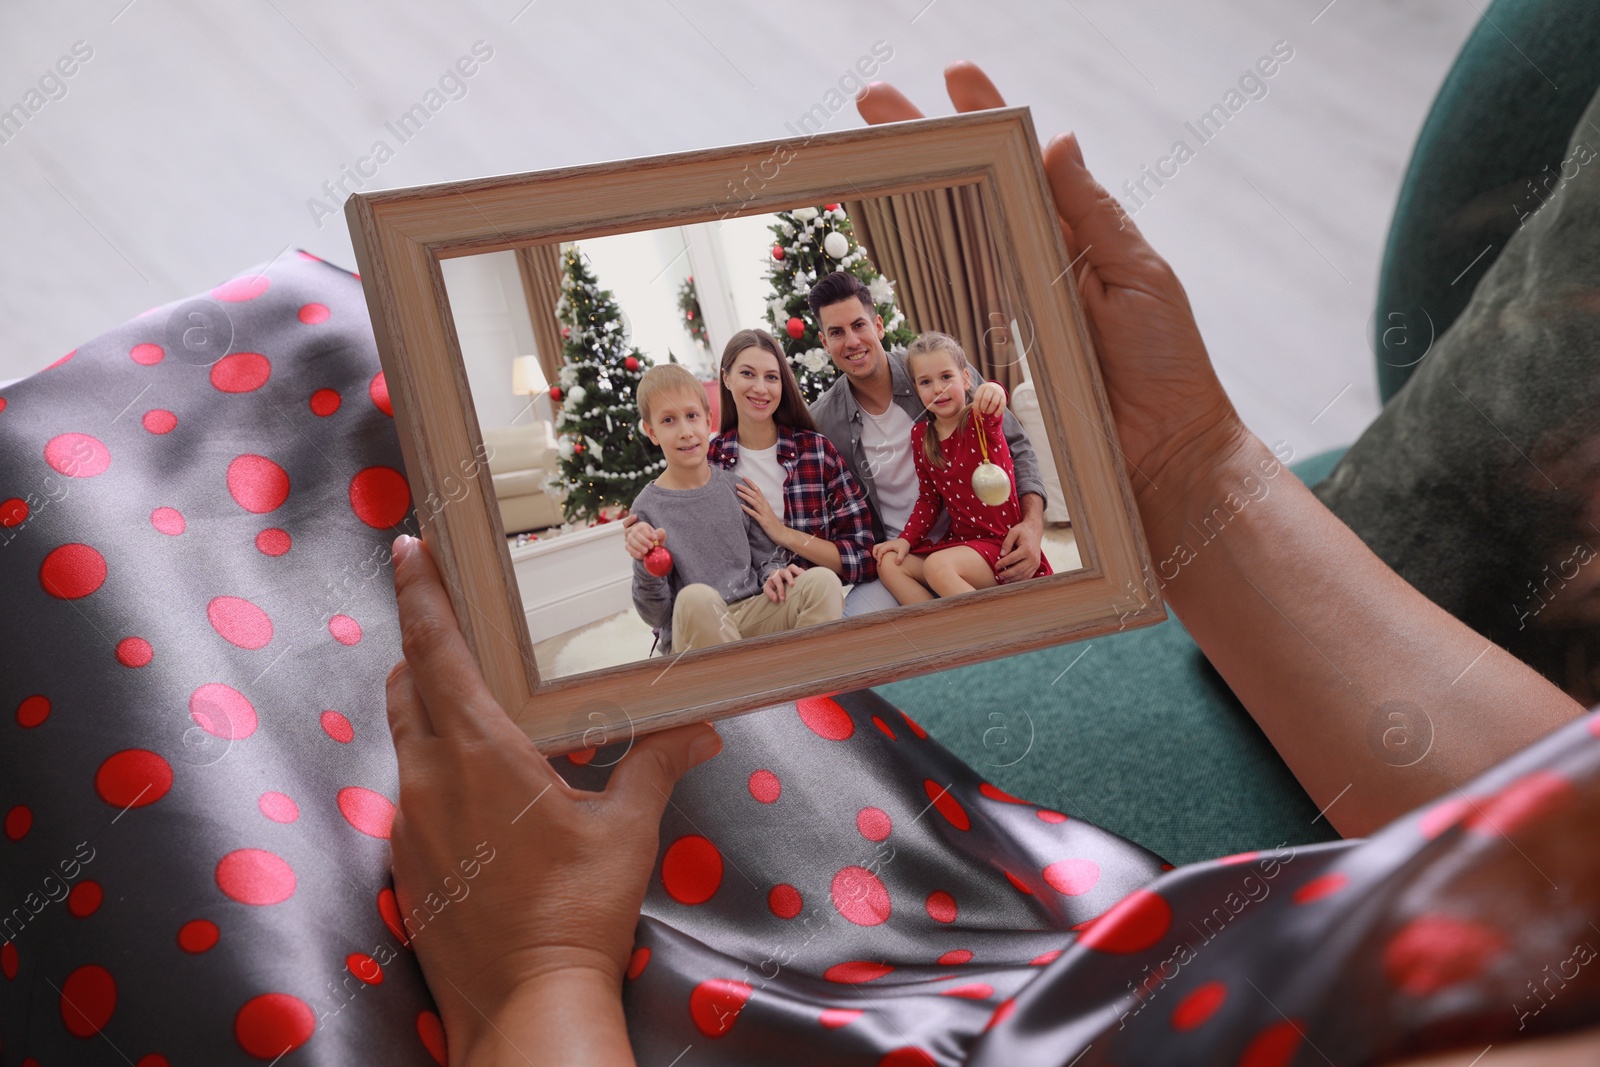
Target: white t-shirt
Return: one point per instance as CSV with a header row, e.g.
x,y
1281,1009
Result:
x,y
761,466
886,444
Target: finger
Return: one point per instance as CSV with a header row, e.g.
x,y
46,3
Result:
x,y
408,719
881,102
629,520
1109,238
446,676
970,88
644,779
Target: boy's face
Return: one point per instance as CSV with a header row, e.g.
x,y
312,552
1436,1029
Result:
x,y
679,425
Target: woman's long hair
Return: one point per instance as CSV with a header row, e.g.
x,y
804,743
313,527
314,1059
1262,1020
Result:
x,y
934,341
791,410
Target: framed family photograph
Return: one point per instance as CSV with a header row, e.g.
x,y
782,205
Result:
x,y
695,434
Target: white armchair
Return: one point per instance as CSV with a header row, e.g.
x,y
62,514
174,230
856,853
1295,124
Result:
x,y
521,459
1025,406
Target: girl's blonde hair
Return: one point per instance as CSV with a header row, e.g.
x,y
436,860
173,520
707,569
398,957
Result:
x,y
926,344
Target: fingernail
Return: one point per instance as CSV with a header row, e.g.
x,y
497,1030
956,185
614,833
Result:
x,y
402,547
704,747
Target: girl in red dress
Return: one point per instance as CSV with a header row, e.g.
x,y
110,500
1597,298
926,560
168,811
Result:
x,y
946,449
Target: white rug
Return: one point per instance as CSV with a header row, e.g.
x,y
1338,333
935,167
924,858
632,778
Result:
x,y
624,637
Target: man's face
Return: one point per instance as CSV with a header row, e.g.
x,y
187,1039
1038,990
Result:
x,y
679,426
853,336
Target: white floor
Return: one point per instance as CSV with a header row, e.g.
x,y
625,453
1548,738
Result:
x,y
626,638
195,140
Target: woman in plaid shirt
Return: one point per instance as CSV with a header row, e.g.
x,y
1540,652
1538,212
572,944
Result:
x,y
768,439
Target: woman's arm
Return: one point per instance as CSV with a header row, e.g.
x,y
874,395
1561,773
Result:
x,y
1320,640
523,947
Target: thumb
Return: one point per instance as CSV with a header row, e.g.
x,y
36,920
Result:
x,y
647,774
1100,226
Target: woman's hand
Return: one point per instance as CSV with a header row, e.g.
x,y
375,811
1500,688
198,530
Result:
x,y
544,926
640,537
989,399
755,505
898,548
1170,411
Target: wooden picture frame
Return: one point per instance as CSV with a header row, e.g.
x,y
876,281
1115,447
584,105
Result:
x,y
402,235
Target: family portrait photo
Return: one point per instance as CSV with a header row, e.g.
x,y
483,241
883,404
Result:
x,y
747,426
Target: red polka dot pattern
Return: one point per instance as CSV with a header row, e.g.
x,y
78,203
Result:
x,y
873,823
77,455
380,497
955,957
371,813
908,1056
378,392
134,652
313,314
947,805
84,899
159,421
255,876
1275,1046
860,896
941,906
826,718
272,1024
715,1004
638,961
430,1031
691,870
364,967
13,512
856,972
72,572
1435,952
834,1018
198,935
19,820
33,711
278,807
784,901
1199,1006
222,711
1073,877
1325,885
241,372
273,542
1530,799
389,911
169,521
133,778
147,355
765,787
239,622
325,402
257,484
345,630
1138,921
88,999
338,727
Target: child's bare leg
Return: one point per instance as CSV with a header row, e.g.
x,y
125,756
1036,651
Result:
x,y
953,571
904,579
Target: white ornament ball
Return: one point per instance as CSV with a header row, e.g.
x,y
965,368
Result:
x,y
575,396
805,214
835,245
565,448
989,481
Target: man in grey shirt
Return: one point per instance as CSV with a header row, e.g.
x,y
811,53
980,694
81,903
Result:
x,y
867,413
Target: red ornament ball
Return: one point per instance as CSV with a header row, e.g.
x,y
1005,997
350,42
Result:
x,y
777,251
555,392
577,448
658,561
690,314
795,328
831,207
566,331
631,363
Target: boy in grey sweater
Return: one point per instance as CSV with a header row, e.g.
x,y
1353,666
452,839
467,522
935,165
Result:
x,y
728,580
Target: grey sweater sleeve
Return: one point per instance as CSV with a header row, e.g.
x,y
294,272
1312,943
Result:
x,y
1023,458
652,596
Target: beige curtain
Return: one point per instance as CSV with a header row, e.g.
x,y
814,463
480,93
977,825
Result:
x,y
540,267
937,249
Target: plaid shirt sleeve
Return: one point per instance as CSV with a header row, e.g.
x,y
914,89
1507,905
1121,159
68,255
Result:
x,y
842,502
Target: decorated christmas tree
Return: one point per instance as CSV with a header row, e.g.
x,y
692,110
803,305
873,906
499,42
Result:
x,y
811,243
693,320
605,458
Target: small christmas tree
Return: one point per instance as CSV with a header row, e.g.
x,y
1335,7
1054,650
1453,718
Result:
x,y
811,243
693,320
605,459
